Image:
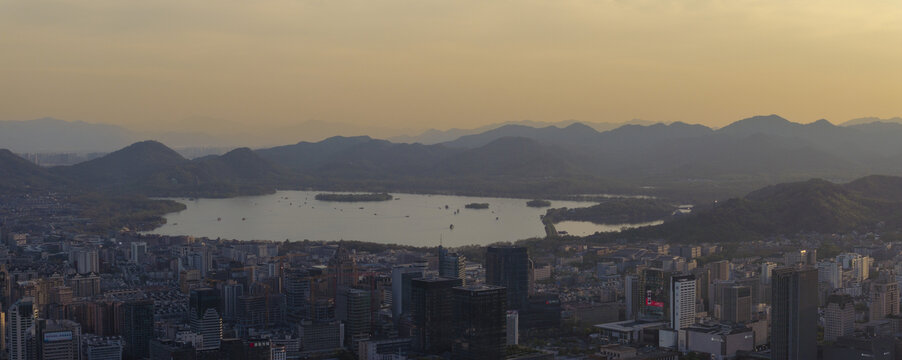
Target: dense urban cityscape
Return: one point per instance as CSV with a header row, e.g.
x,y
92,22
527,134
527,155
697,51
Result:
x,y
450,180
127,295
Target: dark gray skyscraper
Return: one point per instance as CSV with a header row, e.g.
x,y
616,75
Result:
x,y
353,308
508,266
480,316
433,313
137,328
794,313
737,304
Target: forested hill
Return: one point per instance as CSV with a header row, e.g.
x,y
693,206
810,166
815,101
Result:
x,y
785,209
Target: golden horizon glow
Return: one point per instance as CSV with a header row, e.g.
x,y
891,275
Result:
x,y
443,64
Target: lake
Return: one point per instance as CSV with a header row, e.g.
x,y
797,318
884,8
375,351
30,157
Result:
x,y
411,219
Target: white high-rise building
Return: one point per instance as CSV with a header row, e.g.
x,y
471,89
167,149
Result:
x,y
682,301
139,251
513,327
21,317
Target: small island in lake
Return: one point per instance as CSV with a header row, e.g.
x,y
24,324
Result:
x,y
538,203
477,206
354,197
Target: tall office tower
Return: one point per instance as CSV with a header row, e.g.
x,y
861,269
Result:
x,y
298,285
720,270
432,312
480,313
21,317
56,340
839,317
655,294
343,266
354,308
830,272
513,327
230,294
137,328
204,317
682,301
451,265
508,266
766,269
631,295
139,252
86,261
794,313
884,299
401,278
737,304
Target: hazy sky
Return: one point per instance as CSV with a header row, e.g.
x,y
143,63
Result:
x,y
425,63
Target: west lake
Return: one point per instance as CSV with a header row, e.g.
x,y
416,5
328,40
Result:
x,y
410,219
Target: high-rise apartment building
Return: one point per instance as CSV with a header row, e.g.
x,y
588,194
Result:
x,y
839,317
682,301
884,299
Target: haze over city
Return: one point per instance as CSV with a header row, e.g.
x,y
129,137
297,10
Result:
x,y
392,67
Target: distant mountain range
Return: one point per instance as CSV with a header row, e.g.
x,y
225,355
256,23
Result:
x,y
678,160
868,120
434,136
